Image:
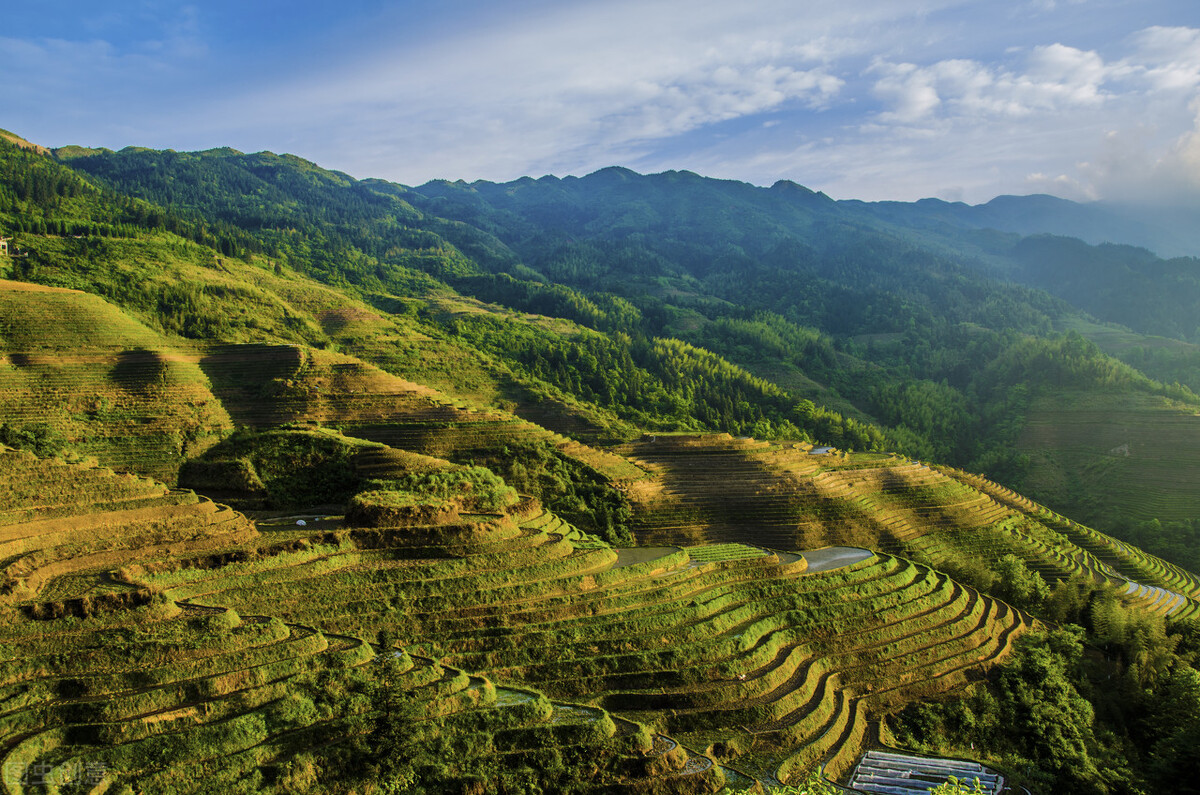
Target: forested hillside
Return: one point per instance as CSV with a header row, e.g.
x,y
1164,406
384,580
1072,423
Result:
x,y
437,422
921,342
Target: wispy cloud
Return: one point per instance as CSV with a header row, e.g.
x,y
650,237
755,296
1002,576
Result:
x,y
1054,78
1049,117
1168,58
581,86
115,76
868,98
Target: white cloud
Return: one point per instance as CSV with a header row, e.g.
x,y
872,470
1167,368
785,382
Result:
x,y
1133,165
1183,159
1168,58
1059,75
578,89
1049,118
1054,78
910,91
1062,185
869,98
1149,147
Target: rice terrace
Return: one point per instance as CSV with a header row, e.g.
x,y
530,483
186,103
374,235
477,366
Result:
x,y
312,484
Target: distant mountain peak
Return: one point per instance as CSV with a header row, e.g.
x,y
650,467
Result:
x,y
789,189
613,174
786,185
21,142
227,151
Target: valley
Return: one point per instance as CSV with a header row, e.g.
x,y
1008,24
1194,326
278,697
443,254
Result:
x,y
322,485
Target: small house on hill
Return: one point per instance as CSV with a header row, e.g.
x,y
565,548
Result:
x,y
4,245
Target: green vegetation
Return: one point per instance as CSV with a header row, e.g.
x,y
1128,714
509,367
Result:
x,y
1178,542
709,306
476,489
1081,722
1119,284
568,486
455,403
38,438
288,468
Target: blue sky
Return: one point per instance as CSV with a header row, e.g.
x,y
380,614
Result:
x,y
871,99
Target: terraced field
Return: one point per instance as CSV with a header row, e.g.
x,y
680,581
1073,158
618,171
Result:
x,y
1147,580
159,691
270,385
715,489
108,385
1138,452
742,651
717,651
66,527
85,371
238,631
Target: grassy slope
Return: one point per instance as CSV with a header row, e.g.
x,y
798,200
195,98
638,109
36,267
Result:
x,y
86,368
1162,358
107,385
248,300
1092,456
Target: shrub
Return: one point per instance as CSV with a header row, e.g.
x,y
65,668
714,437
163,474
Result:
x,y
471,488
383,508
38,438
295,468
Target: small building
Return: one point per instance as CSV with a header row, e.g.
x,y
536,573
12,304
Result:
x,y
4,245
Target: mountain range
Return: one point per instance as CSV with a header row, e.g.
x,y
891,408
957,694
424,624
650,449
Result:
x,y
588,453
